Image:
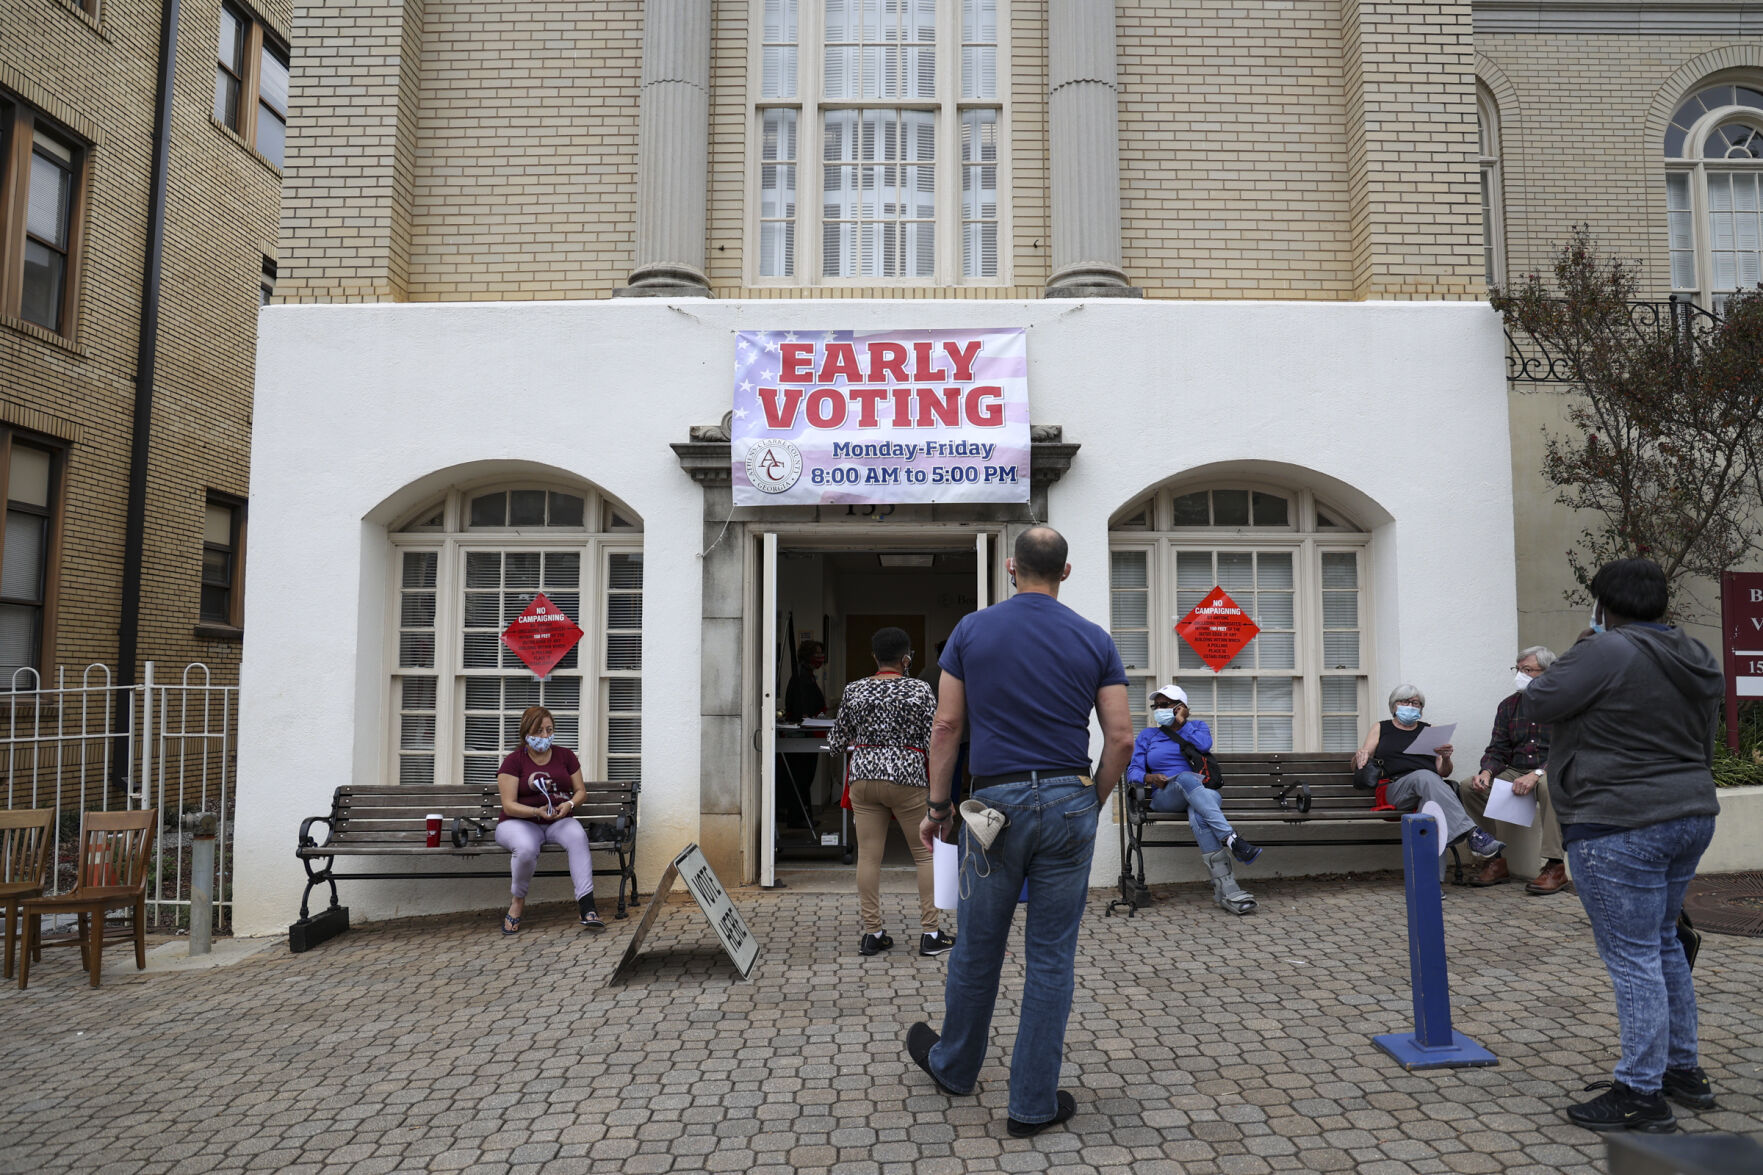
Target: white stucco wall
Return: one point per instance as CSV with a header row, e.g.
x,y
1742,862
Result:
x,y
1396,410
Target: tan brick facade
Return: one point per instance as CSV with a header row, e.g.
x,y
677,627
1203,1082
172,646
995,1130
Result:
x,y
97,77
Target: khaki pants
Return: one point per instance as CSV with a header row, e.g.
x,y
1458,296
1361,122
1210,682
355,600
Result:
x,y
1550,848
875,802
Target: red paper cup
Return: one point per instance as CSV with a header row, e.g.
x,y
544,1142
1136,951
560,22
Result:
x,y
434,830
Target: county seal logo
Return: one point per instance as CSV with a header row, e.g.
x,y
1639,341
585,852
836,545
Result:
x,y
773,466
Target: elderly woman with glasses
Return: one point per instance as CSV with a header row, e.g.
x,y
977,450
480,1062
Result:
x,y
1414,779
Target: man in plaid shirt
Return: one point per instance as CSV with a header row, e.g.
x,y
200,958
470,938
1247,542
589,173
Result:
x,y
1517,751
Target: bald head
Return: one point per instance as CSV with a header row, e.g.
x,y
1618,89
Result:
x,y
1040,556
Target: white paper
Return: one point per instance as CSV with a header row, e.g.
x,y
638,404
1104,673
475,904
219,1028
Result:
x,y
1428,741
817,724
946,871
1513,809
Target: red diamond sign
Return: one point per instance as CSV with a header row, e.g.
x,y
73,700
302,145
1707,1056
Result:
x,y
542,635
1217,629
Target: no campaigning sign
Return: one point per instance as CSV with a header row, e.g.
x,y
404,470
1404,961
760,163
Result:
x,y
542,635
1217,629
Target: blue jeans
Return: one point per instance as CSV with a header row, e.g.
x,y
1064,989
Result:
x,y
1187,793
1049,841
1632,885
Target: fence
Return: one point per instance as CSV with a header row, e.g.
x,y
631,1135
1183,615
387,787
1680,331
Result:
x,y
99,746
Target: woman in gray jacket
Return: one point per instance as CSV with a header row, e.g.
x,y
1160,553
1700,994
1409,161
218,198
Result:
x,y
1632,708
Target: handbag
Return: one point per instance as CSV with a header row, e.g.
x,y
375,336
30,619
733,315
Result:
x,y
1204,763
1367,778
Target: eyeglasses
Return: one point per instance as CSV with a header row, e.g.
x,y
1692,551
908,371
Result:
x,y
1527,672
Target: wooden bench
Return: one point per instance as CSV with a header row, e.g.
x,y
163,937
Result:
x,y
393,822
1273,798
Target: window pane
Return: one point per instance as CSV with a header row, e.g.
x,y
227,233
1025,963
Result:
x,y
272,134
417,693
1231,507
419,568
18,645
226,99
28,476
626,571
44,271
563,570
1270,510
231,50
272,82
216,605
1192,510
489,510
1193,572
566,510
526,508
21,576
217,520
1236,572
1340,569
217,567
1340,650
1275,570
46,217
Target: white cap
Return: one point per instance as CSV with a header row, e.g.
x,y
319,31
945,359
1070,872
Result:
x,y
1173,692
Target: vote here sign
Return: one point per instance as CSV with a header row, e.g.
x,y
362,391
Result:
x,y
1741,623
833,417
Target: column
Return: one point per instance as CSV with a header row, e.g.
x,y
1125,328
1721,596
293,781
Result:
x,y
1084,132
673,151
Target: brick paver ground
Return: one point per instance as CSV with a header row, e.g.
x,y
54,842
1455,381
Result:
x,y
1199,1043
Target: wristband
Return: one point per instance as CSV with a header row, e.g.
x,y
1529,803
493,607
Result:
x,y
935,804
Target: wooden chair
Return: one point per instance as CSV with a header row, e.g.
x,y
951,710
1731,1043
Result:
x,y
113,853
25,837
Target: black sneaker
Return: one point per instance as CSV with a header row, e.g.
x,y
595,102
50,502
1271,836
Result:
x,y
875,944
920,1038
1688,1087
935,944
1067,1108
1243,851
590,917
1622,1108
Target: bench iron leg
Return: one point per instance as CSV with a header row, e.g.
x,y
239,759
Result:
x,y
310,931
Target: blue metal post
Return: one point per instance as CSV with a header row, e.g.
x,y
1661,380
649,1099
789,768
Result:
x,y
1433,1044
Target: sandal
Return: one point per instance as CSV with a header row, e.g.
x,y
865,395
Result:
x,y
510,924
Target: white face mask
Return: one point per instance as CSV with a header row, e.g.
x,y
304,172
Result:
x,y
1522,681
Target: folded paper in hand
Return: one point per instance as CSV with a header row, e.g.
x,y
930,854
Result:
x,y
1513,809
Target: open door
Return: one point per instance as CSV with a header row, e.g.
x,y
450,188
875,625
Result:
x,y
983,590
768,707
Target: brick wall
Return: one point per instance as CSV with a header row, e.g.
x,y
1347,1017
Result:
x,y
98,77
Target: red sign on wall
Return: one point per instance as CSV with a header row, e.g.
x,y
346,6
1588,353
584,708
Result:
x,y
1217,629
1741,623
542,635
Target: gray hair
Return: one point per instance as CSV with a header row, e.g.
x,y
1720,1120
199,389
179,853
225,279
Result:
x,y
1406,693
1545,656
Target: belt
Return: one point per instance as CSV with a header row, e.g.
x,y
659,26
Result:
x,y
980,781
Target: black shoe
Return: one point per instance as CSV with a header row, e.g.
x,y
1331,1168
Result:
x,y
1622,1108
1688,1087
919,1040
875,944
1067,1108
590,916
935,944
1243,851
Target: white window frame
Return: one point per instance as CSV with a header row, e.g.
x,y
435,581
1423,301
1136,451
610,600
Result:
x,y
1494,216
1308,543
453,540
1692,164
810,103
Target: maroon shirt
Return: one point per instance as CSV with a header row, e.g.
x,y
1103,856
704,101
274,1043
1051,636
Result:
x,y
539,783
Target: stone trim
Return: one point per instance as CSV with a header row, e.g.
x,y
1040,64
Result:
x,y
1648,17
1688,77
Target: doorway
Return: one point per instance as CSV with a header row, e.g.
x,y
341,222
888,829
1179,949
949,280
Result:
x,y
823,595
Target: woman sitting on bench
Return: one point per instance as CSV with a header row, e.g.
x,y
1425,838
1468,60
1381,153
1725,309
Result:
x,y
1166,758
1412,780
541,786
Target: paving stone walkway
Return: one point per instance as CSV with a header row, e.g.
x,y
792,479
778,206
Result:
x,y
1199,1043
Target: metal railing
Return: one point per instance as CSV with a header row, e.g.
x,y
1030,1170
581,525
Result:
x,y
1531,360
97,746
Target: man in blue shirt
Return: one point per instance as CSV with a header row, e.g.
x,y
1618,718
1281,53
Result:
x,y
1022,676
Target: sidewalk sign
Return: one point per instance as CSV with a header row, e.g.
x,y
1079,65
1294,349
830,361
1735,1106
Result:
x,y
713,900
1741,640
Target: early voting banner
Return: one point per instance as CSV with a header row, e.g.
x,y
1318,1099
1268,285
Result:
x,y
831,417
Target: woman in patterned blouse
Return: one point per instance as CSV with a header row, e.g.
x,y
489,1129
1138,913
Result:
x,y
885,722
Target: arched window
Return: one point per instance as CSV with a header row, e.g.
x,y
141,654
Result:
x,y
1714,192
464,566
1295,564
1493,221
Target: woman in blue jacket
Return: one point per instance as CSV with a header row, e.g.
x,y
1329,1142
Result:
x,y
1163,765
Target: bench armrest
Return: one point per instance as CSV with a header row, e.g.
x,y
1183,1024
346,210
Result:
x,y
306,841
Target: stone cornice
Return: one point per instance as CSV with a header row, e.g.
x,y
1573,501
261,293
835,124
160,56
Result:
x,y
1716,18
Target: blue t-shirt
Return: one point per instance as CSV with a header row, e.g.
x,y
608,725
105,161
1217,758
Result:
x,y
1031,668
